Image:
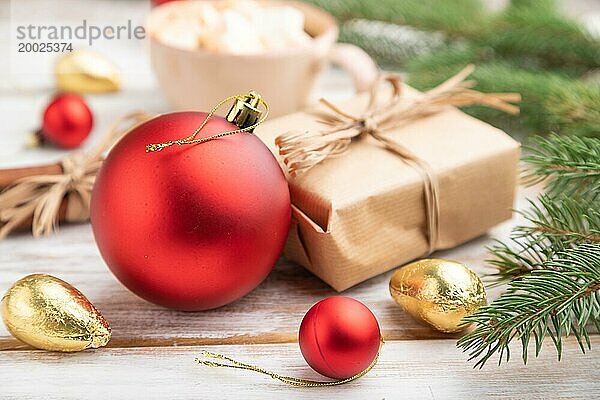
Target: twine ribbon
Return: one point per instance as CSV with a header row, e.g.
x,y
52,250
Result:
x,y
40,196
301,151
288,380
192,138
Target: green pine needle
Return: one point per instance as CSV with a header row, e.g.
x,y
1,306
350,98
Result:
x,y
558,300
570,165
552,262
568,215
532,31
551,101
455,18
554,224
538,31
391,45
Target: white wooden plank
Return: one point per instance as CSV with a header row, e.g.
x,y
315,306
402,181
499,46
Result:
x,y
431,369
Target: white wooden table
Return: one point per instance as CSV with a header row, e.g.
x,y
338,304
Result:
x,y
151,354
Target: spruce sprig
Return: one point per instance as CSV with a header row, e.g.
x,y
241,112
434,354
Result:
x,y
557,300
570,165
554,224
552,101
533,30
537,30
552,262
455,18
390,44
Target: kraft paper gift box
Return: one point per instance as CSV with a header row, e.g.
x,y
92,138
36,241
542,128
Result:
x,y
362,213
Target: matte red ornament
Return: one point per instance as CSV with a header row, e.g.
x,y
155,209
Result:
x,y
191,227
67,121
339,337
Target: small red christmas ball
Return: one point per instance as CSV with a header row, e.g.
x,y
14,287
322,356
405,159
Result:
x,y
339,337
67,121
192,227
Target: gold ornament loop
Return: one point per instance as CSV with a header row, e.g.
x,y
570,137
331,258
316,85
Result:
x,y
191,139
288,380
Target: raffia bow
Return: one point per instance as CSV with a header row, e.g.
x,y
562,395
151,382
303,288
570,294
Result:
x,y
40,197
302,151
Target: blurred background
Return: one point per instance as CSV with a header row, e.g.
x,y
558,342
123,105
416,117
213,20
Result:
x,y
547,50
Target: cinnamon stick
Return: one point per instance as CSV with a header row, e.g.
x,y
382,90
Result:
x,y
9,176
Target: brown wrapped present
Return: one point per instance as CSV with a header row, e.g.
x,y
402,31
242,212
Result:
x,y
411,175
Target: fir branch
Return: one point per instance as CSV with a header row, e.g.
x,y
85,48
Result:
x,y
531,31
564,218
559,299
555,224
391,45
567,216
545,4
551,101
536,29
454,18
552,262
570,165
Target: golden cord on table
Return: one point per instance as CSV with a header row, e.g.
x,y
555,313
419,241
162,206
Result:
x,y
302,151
192,138
40,196
285,379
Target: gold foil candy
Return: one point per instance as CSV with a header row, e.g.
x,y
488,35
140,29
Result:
x,y
83,71
438,292
48,313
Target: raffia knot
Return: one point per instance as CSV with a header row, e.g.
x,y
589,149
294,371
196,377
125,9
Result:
x,y
369,125
74,168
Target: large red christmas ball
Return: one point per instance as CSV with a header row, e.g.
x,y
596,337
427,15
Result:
x,y
192,227
67,121
339,337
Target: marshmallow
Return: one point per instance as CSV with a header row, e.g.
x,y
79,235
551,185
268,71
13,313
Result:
x,y
236,27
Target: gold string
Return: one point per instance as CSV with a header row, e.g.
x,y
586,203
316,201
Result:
x,y
191,139
288,380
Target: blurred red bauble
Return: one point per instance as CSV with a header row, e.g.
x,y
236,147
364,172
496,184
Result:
x,y
339,337
67,121
192,227
159,2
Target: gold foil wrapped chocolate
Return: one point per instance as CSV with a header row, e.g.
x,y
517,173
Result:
x,y
437,292
84,71
48,313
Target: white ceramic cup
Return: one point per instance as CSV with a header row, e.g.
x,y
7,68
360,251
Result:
x,y
198,79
